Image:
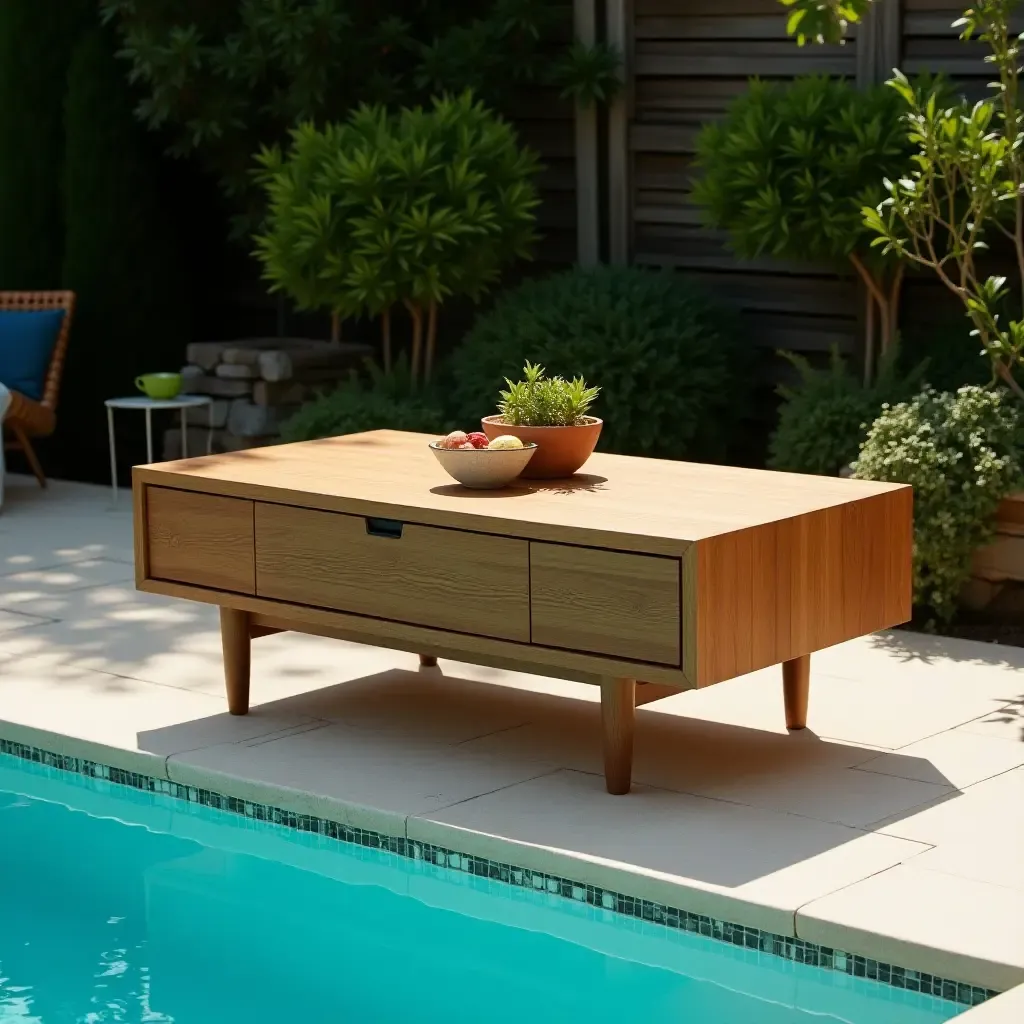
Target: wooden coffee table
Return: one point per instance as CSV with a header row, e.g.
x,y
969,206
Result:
x,y
642,576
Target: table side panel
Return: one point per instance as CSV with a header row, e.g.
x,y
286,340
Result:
x,y
442,578
140,532
605,602
772,593
203,539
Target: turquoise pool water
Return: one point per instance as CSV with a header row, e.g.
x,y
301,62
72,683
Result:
x,y
121,906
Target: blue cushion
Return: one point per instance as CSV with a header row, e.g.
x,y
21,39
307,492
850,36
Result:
x,y
26,344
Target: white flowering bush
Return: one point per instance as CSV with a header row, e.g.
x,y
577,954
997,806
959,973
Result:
x,y
960,452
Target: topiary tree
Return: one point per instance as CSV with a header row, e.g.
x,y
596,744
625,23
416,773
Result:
x,y
672,370
406,208
788,171
35,48
961,453
120,250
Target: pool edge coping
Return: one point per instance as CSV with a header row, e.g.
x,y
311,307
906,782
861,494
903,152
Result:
x,y
764,941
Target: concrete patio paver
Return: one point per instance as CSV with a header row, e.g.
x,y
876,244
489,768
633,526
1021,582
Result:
x,y
723,859
926,921
891,823
356,776
957,757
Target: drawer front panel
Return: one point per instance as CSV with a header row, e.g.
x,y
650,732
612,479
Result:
x,y
202,539
467,582
605,602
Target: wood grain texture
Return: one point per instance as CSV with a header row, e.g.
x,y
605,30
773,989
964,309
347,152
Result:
x,y
647,693
618,721
235,631
796,690
465,582
140,539
403,636
202,539
632,504
605,602
772,594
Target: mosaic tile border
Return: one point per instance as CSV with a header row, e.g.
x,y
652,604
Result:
x,y
753,939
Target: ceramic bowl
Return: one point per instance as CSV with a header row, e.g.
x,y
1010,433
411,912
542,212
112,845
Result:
x,y
483,469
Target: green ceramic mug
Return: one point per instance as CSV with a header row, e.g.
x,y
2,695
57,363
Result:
x,y
159,385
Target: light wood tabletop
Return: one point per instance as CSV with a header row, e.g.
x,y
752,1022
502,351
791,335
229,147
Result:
x,y
650,503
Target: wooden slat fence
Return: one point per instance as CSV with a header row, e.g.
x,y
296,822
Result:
x,y
686,60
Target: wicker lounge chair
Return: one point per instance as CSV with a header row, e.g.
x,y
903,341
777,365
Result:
x,y
27,418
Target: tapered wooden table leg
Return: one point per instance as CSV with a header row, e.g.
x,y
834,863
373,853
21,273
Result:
x,y
234,638
796,687
428,661
617,718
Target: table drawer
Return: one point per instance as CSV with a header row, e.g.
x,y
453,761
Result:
x,y
605,602
448,579
202,539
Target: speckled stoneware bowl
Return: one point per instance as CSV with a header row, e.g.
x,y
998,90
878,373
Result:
x,y
483,469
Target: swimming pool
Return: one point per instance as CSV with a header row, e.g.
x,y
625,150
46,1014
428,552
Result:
x,y
117,905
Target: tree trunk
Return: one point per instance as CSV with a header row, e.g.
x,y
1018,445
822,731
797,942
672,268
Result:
x,y
385,334
431,339
895,290
416,313
886,316
869,337
335,328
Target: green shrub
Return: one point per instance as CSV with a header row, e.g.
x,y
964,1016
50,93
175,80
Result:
x,y
826,416
673,378
384,401
961,454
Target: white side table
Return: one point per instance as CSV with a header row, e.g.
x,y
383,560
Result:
x,y
182,402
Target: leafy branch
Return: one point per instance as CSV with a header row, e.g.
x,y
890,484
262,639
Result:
x,y
965,184
823,21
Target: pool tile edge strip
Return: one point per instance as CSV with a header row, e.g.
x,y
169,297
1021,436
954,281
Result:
x,y
757,940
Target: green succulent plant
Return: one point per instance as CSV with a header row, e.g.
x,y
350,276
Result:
x,y
540,401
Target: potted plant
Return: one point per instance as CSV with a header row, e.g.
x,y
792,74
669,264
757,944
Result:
x,y
552,413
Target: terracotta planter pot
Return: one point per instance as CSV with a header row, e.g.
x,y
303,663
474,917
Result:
x,y
561,451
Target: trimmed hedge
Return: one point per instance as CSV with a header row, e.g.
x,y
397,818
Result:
x,y
665,355
384,401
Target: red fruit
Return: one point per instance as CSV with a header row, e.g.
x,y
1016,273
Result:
x,y
456,439
478,440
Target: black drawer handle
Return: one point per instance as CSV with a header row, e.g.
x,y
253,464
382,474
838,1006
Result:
x,y
384,528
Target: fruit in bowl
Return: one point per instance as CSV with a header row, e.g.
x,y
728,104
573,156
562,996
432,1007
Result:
x,y
505,442
481,464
